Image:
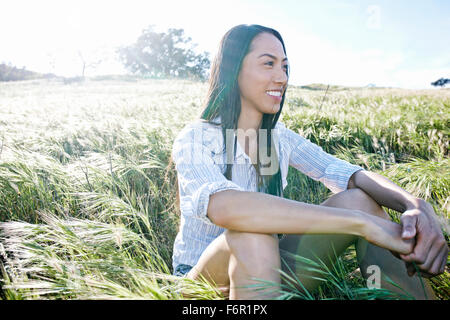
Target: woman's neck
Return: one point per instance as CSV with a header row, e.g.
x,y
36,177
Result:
x,y
249,119
249,123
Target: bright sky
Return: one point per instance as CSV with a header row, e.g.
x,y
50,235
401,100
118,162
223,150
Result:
x,y
401,43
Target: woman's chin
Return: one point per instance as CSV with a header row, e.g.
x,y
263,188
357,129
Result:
x,y
269,109
275,108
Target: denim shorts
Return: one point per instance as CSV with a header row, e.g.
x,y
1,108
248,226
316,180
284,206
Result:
x,y
181,270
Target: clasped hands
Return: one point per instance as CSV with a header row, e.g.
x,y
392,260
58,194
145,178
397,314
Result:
x,y
430,250
417,240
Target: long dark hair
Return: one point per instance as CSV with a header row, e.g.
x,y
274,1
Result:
x,y
224,100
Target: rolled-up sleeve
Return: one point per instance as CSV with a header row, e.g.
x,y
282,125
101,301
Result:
x,y
311,160
198,175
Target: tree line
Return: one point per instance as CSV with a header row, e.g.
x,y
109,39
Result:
x,y
8,72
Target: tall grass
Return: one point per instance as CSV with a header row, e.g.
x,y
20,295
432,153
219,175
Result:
x,y
88,197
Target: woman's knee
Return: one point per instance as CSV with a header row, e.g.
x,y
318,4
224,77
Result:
x,y
254,248
357,199
237,239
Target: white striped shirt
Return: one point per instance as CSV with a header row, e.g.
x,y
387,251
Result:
x,y
199,157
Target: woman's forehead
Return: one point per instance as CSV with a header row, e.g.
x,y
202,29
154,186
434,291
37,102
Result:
x,y
267,43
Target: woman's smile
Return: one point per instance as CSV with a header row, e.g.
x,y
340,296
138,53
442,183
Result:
x,y
275,94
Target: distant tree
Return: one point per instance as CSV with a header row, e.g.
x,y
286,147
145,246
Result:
x,y
87,64
441,82
159,54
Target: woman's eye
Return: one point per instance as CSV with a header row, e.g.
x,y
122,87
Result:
x,y
269,63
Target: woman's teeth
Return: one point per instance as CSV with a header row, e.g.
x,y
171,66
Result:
x,y
274,93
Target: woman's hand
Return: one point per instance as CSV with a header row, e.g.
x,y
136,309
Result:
x,y
387,234
431,250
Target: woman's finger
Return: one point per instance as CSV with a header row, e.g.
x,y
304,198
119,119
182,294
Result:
x,y
434,255
408,223
439,263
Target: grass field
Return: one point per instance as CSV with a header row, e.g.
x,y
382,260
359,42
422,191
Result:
x,y
88,198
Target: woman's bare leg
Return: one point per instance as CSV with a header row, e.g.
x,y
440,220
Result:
x,y
328,247
213,264
234,259
254,257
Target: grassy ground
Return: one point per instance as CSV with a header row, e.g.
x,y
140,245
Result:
x,y
88,198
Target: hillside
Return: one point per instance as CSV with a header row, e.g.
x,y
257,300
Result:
x,y
12,73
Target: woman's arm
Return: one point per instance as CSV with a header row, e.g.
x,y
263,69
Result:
x,y
383,191
264,213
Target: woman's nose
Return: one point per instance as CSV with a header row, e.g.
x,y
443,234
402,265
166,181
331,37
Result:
x,y
281,76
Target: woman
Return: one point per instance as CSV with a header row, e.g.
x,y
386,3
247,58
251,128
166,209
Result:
x,y
232,166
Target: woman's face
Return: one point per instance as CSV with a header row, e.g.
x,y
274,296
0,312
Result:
x,y
262,79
